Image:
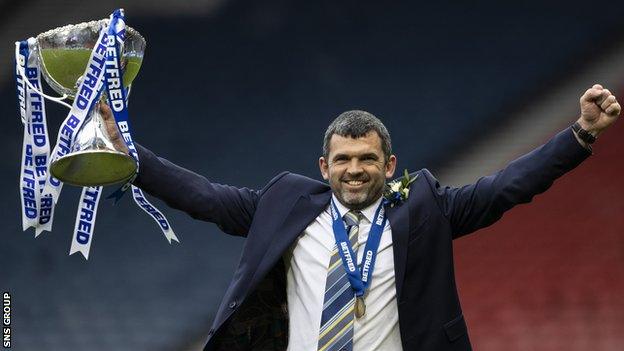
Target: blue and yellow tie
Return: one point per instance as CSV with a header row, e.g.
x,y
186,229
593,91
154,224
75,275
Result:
x,y
337,319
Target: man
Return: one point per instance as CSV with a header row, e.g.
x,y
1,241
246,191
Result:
x,y
341,267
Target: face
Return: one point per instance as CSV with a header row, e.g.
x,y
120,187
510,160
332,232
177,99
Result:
x,y
356,169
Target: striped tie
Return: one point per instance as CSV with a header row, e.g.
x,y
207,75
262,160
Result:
x,y
337,320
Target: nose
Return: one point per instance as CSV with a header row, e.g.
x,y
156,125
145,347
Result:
x,y
355,167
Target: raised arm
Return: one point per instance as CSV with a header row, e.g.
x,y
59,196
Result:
x,y
480,204
231,208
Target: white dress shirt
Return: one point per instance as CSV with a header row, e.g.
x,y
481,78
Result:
x,y
306,271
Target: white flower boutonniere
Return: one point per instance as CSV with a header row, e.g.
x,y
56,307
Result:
x,y
397,191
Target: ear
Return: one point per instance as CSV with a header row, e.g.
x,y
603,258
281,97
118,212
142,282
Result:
x,y
324,167
391,166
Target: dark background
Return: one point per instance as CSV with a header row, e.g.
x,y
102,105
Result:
x,y
246,92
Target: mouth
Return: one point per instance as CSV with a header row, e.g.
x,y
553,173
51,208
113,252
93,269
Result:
x,y
355,183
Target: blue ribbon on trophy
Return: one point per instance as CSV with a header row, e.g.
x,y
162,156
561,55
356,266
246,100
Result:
x,y
36,208
28,183
85,220
83,154
117,99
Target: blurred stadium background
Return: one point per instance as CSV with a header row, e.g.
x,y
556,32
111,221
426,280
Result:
x,y
239,90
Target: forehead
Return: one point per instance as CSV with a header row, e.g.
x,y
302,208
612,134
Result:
x,y
370,142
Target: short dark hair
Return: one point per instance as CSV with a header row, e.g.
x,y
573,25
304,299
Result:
x,y
356,124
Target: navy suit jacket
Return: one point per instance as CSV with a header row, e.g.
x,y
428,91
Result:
x,y
252,315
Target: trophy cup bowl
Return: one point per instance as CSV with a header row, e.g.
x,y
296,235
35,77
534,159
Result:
x,y
64,53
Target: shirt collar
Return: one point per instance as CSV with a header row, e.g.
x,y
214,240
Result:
x,y
368,212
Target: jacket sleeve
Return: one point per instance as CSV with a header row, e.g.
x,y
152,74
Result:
x,y
231,208
478,205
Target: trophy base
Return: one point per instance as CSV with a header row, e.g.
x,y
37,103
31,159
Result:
x,y
94,167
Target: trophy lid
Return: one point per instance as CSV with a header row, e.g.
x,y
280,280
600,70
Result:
x,y
65,51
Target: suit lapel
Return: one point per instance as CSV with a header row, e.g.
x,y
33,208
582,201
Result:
x,y
399,223
305,210
405,218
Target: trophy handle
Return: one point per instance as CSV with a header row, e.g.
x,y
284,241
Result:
x,y
20,70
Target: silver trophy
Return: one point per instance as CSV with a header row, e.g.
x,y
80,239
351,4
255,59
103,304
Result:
x,y
64,53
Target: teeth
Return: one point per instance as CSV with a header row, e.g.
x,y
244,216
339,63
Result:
x,y
355,182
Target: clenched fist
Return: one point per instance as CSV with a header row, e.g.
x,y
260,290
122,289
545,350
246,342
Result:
x,y
599,109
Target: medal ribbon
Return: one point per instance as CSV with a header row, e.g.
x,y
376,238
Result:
x,y
359,279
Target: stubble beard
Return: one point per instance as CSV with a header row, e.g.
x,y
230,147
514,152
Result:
x,y
359,200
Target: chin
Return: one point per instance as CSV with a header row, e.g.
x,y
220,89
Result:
x,y
356,202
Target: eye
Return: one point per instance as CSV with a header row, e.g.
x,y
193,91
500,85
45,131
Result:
x,y
339,160
369,159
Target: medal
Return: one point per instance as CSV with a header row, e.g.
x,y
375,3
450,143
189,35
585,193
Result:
x,y
360,307
359,276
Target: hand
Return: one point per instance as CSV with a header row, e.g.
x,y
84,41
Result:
x,y
111,128
599,109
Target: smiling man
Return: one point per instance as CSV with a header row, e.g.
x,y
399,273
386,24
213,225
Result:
x,y
338,266
361,158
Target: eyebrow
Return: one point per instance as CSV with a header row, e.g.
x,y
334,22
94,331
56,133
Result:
x,y
368,154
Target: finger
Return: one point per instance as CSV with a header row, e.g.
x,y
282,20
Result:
x,y
591,94
605,93
607,102
105,111
613,110
103,105
597,86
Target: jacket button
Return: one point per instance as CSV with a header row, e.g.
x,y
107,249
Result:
x,y
232,305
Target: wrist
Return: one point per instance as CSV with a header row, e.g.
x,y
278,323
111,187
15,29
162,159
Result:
x,y
580,141
583,136
588,127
